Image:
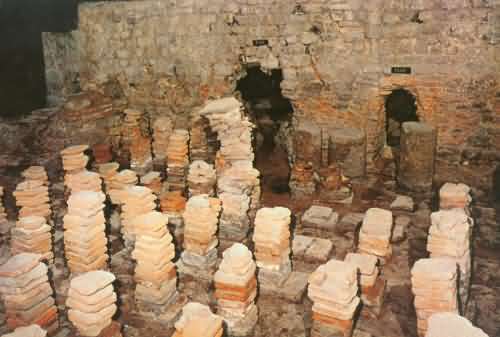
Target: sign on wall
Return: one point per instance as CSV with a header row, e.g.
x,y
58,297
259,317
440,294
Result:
x,y
401,70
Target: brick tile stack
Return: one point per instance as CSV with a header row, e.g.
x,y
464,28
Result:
x,y
77,178
375,233
33,330
238,188
3,214
84,237
450,236
201,218
32,234
37,175
32,197
92,303
162,129
135,201
152,180
447,324
372,286
333,288
198,321
173,205
236,289
238,184
155,274
455,196
177,160
201,178
74,159
139,145
121,181
434,284
26,292
271,238
108,172
198,146
172,202
87,107
302,179
84,181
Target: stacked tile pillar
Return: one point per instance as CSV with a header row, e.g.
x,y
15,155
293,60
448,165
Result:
x,y
333,288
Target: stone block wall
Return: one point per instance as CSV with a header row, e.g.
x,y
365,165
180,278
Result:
x,y
336,56
60,54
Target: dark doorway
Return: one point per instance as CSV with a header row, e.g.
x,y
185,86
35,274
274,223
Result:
x,y
22,80
400,107
271,113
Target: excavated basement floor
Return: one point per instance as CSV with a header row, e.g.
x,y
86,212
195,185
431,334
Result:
x,y
284,318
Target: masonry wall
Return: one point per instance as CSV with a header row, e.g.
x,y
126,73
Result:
x,y
336,56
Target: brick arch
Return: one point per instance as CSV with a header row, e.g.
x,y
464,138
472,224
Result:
x,y
425,98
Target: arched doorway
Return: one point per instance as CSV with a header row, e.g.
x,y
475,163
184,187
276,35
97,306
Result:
x,y
400,107
271,112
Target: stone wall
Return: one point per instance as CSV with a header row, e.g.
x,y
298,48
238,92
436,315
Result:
x,y
60,53
336,58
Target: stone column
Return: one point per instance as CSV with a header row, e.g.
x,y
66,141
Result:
x,y
177,160
272,246
448,324
201,178
236,289
155,274
450,236
375,234
92,304
85,239
416,162
434,284
26,293
197,320
372,286
347,148
201,218
333,288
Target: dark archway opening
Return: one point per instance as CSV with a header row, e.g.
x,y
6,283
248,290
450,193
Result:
x,y
22,80
271,112
400,107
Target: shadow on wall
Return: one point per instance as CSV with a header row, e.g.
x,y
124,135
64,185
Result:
x,y
400,107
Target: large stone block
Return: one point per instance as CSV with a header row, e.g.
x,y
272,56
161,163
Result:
x,y
418,149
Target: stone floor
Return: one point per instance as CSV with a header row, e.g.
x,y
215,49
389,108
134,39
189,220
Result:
x,y
285,316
